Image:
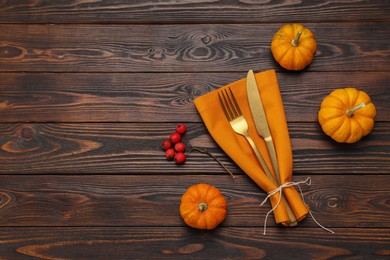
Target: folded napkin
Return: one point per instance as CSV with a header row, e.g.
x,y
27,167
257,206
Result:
x,y
239,150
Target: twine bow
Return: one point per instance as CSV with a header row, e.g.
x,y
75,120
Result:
x,y
280,190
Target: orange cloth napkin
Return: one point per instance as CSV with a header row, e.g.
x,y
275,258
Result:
x,y
239,150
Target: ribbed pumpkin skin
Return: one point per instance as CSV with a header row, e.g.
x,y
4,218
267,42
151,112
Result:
x,y
333,118
209,218
293,57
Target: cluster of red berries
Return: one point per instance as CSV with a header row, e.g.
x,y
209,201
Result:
x,y
174,147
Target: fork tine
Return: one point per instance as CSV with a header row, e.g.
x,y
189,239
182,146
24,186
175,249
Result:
x,y
228,105
227,114
231,106
235,104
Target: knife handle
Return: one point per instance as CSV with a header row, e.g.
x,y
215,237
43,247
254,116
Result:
x,y
291,215
274,158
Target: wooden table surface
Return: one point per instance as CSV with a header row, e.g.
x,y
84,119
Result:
x,y
88,89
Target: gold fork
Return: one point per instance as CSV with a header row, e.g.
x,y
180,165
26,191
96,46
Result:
x,y
240,126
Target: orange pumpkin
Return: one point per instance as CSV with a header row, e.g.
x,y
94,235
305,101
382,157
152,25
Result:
x,y
346,115
203,206
293,46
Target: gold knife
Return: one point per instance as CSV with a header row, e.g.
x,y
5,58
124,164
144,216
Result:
x,y
260,119
261,123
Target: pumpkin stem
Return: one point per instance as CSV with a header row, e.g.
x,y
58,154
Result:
x,y
203,206
295,41
352,110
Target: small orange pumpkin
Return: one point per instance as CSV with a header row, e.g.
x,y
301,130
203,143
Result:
x,y
203,206
346,115
293,46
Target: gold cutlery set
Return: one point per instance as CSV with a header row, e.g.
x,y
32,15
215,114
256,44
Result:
x,y
240,126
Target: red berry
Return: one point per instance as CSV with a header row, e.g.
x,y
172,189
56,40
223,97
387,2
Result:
x,y
166,144
180,158
180,147
170,154
175,137
181,129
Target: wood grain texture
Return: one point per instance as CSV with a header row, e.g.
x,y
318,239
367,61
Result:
x,y
341,201
73,148
141,11
188,48
89,88
163,97
185,243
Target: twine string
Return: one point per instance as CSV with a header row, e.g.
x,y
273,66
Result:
x,y
280,190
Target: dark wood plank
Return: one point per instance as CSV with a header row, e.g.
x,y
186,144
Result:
x,y
186,48
141,11
341,201
185,243
135,149
163,97
313,151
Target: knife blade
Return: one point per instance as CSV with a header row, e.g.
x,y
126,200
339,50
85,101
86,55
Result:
x,y
260,119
